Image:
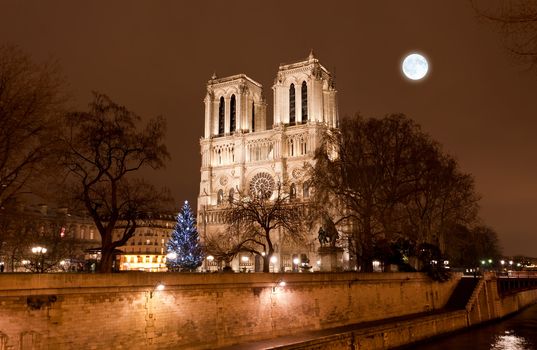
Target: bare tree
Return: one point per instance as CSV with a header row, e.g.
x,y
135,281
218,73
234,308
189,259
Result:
x,y
390,181
254,219
31,103
104,148
517,21
224,246
443,196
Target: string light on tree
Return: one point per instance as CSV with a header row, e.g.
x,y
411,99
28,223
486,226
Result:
x,y
184,251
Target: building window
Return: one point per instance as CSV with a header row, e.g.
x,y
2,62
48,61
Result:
x,y
306,189
221,116
253,117
292,114
231,195
232,113
292,192
304,97
220,197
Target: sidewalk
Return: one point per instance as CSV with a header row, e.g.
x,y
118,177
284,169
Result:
x,y
298,338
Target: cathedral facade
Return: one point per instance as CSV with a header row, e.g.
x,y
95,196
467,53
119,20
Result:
x,y
241,153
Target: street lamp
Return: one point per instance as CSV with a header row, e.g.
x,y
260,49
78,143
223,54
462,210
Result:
x,y
171,256
40,253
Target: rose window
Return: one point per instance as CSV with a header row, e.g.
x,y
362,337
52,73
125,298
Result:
x,y
262,185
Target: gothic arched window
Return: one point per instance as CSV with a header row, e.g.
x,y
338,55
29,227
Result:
x,y
292,114
231,195
253,117
220,197
304,97
221,116
292,192
232,113
306,189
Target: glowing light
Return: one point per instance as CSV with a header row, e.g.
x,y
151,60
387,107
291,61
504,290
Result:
x,y
415,66
273,259
245,259
160,286
171,256
502,262
490,261
39,250
282,284
210,258
376,263
296,261
319,262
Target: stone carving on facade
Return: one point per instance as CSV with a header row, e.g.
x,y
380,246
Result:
x,y
297,173
317,72
223,180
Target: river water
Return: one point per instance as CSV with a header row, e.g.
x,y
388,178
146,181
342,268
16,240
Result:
x,y
518,332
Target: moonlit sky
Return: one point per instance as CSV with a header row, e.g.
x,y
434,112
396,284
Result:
x,y
155,57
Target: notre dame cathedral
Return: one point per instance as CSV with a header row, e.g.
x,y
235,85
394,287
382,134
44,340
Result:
x,y
240,152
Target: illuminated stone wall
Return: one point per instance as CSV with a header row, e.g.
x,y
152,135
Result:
x,y
75,311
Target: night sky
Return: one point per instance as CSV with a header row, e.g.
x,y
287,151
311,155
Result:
x,y
155,57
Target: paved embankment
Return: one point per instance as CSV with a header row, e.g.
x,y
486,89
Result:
x,y
199,311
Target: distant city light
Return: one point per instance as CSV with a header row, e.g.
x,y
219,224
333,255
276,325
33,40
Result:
x,y
39,250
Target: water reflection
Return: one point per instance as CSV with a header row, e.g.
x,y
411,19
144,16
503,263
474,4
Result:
x,y
510,341
515,333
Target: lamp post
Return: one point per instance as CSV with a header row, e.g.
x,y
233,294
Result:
x,y
210,260
40,253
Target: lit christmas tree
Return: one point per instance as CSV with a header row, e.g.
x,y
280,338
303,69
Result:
x,y
184,251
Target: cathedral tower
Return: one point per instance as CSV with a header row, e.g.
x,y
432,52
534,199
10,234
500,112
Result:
x,y
234,104
304,92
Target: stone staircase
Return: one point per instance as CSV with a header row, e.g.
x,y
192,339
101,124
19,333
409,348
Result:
x,y
463,294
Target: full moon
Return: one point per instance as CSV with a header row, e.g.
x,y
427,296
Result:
x,y
415,66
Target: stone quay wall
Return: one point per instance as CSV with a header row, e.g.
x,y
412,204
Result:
x,y
486,304
198,311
